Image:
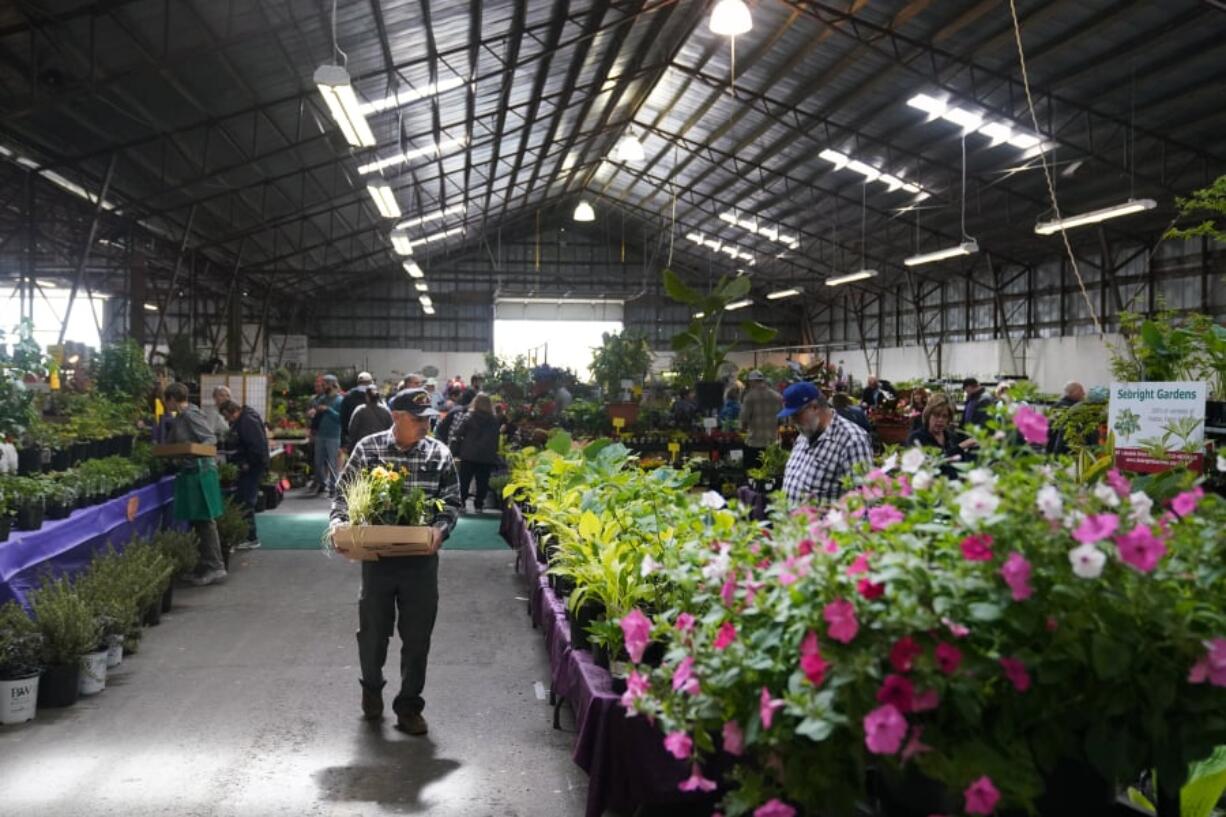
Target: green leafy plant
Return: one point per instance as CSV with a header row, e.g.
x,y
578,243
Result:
x,y
703,333
232,524
1210,201
621,356
774,461
181,549
21,643
68,626
1171,347
123,372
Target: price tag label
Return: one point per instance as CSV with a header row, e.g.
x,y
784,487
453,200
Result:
x,y
133,508
674,449
710,423
736,455
619,423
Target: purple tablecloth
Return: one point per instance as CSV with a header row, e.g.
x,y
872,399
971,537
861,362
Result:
x,y
624,757
68,545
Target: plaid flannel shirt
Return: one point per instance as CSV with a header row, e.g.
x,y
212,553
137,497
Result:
x,y
816,469
430,468
759,416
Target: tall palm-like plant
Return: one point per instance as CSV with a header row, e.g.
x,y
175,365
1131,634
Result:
x,y
702,335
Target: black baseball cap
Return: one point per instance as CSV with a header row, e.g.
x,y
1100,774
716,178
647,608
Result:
x,y
417,402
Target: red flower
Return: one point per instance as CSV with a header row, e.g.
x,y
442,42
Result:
x,y
811,662
1015,671
977,548
897,690
870,590
903,654
727,634
948,658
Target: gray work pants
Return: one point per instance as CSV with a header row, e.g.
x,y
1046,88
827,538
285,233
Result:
x,y
210,546
408,586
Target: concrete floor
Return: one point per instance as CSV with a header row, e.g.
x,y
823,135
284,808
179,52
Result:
x,y
245,701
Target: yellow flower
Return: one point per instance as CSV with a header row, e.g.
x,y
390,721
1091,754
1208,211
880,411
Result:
x,y
393,476
379,473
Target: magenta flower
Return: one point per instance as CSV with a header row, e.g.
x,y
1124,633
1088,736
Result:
x,y
830,546
636,628
696,782
728,592
870,590
1212,667
915,746
734,739
1140,548
925,701
811,662
948,658
841,623
981,796
1016,573
804,547
897,691
1032,424
1096,528
883,516
1186,502
955,629
767,706
1119,483
636,687
977,548
685,623
884,729
684,679
727,634
903,654
679,745
774,808
1015,671
858,565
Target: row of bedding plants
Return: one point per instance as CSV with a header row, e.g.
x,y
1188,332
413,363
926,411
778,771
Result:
x,y
1013,639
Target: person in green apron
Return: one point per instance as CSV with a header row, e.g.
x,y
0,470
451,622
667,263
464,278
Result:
x,y
197,487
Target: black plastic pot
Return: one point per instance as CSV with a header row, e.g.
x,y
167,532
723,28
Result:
x,y
710,395
563,585
29,461
123,445
6,526
60,686
587,614
79,452
30,515
61,460
168,598
1215,413
58,510
153,615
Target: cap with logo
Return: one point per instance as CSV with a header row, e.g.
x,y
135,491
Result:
x,y
799,395
415,401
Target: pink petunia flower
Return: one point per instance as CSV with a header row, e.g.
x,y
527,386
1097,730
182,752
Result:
x,y
684,679
1096,528
1032,424
1212,667
915,746
841,623
696,782
903,654
884,516
811,662
830,546
925,700
637,686
981,796
734,739
679,745
858,565
884,730
1140,548
685,623
955,629
728,592
727,634
1186,502
804,547
774,808
636,628
1016,672
948,658
767,706
1016,573
977,548
1119,483
897,691
870,590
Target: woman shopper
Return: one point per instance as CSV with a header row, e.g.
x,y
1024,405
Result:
x,y
197,487
938,432
476,440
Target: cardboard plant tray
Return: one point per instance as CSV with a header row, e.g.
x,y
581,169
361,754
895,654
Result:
x,y
369,542
185,450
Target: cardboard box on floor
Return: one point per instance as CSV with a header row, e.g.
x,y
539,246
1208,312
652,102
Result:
x,y
367,543
185,450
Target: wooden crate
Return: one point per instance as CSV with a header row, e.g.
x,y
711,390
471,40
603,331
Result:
x,y
185,450
367,543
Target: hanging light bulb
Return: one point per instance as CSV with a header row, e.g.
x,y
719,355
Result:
x,y
629,148
730,18
584,212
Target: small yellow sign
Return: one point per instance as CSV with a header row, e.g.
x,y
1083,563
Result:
x,y
674,449
619,423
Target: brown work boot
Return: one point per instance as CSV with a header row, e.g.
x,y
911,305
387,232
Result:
x,y
412,723
372,704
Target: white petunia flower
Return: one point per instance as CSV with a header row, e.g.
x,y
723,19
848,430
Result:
x,y
836,521
1047,471
922,480
1087,561
976,505
649,566
891,462
1221,462
1141,507
999,436
1050,503
1105,493
912,460
712,500
717,568
981,476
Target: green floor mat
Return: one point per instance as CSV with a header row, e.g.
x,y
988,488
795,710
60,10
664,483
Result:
x,y
302,532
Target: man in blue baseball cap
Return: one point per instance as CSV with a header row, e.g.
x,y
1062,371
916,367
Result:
x,y
827,449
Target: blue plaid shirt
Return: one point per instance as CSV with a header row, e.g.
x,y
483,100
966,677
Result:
x,y
430,468
816,469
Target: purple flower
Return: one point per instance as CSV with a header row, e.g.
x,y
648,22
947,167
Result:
x,y
1096,528
1119,483
811,662
679,745
884,729
1032,424
1212,667
1016,573
1140,548
636,628
696,782
981,796
883,516
841,623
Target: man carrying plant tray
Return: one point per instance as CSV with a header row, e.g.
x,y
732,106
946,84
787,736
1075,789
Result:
x,y
401,477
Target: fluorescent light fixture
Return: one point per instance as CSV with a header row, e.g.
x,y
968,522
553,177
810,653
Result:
x,y
928,104
1024,141
151,307
965,248
839,160
730,18
584,212
335,88
425,300
860,275
409,155
401,244
429,310
28,164
1094,216
439,236
739,304
699,315
999,131
629,149
454,210
960,116
420,286
783,293
716,245
413,270
408,95
871,174
385,200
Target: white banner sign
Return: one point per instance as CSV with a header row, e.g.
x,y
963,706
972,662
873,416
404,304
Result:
x,y
1148,418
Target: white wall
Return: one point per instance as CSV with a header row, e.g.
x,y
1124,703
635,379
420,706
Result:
x,y
387,364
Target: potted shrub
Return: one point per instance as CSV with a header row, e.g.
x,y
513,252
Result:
x,y
6,519
768,475
27,497
69,630
20,651
621,358
182,551
60,498
107,588
703,334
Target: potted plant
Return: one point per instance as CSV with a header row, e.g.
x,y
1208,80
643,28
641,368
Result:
x,y
621,359
386,517
6,518
60,498
27,501
69,630
703,334
768,475
182,551
20,651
